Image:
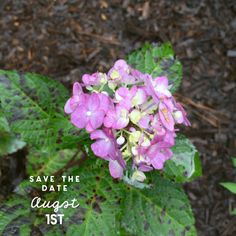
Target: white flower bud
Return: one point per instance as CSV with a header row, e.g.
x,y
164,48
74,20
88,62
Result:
x,y
134,151
178,116
120,140
138,176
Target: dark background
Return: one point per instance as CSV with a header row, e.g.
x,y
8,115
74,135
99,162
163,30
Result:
x,y
65,39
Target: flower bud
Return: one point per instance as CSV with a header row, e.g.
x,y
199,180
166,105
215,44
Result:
x,y
135,116
138,176
120,140
134,136
134,151
178,116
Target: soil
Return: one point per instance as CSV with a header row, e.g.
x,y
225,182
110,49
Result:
x,y
66,38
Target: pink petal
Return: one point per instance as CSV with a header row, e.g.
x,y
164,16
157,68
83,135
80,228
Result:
x,y
105,102
144,122
166,117
121,93
93,102
161,81
97,119
67,108
98,134
89,127
109,119
77,89
121,123
158,161
79,118
101,148
115,169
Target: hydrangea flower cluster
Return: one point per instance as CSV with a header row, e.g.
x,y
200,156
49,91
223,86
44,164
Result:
x,y
130,116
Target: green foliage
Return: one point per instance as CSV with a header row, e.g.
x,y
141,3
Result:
x,y
8,142
185,165
161,210
32,113
13,215
107,208
33,106
158,60
230,186
234,161
49,163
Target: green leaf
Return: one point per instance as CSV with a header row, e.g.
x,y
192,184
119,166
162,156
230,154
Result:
x,y
230,186
234,161
158,60
18,218
33,105
99,196
107,207
4,126
185,164
44,163
13,215
233,212
8,143
162,210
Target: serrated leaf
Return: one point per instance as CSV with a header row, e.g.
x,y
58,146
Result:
x,y
18,218
99,202
162,210
158,60
4,126
230,186
44,163
33,105
12,215
110,208
8,143
185,164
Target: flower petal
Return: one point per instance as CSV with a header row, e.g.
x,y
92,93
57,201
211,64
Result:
x,y
97,119
77,89
101,148
79,118
93,102
115,169
67,108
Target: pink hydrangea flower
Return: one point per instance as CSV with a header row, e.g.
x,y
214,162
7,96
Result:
x,y
182,116
76,98
130,116
89,114
90,79
165,115
124,96
158,154
116,170
140,97
104,146
117,118
158,88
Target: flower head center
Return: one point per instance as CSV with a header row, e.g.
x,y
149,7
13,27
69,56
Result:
x,y
88,113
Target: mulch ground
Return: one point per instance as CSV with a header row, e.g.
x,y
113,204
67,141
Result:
x,y
67,38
